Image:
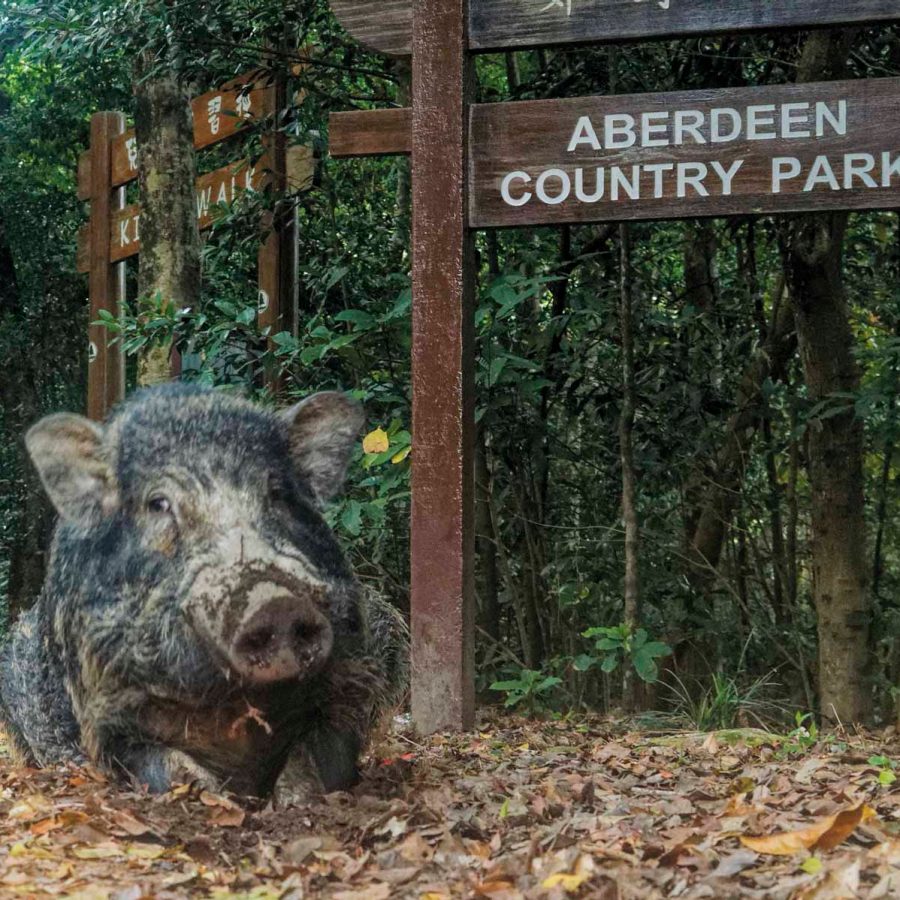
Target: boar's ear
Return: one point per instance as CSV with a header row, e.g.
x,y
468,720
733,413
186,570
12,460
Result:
x,y
66,451
322,430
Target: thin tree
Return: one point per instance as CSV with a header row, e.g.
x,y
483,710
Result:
x,y
632,594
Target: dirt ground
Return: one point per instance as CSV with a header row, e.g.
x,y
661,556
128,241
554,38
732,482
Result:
x,y
578,808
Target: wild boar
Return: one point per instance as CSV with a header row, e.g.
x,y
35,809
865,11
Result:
x,y
199,619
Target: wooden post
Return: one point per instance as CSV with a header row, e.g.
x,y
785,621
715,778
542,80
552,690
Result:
x,y
106,373
443,374
277,298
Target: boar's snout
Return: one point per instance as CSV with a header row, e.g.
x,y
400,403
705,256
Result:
x,y
286,637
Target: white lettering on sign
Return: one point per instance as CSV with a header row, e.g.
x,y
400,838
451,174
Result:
x,y
213,109
621,135
857,170
130,230
723,125
131,149
566,5
226,192
242,104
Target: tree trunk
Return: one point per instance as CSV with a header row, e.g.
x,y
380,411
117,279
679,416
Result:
x,y
813,246
720,499
21,407
632,610
170,239
489,582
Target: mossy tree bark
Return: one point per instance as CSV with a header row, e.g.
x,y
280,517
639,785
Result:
x,y
170,238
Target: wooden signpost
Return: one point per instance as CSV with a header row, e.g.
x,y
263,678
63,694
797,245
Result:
x,y
791,148
656,156
386,25
113,232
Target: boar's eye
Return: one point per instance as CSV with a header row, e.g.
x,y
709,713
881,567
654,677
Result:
x,y
278,490
159,505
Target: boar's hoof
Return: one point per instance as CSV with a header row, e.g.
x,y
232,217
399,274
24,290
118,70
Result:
x,y
287,638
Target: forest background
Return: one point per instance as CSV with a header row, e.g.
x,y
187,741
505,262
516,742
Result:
x,y
721,393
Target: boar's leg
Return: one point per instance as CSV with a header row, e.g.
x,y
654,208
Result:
x,y
336,757
326,760
161,768
34,703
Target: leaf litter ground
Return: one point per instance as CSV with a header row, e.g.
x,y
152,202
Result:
x,y
517,809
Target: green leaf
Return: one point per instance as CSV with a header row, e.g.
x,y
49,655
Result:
x,y
583,662
357,317
506,686
595,632
334,277
351,517
656,648
645,667
610,661
609,644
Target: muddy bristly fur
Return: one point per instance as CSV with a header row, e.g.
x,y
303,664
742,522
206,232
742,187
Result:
x,y
186,515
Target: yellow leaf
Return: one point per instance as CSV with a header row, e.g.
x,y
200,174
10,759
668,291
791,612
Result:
x,y
145,851
376,441
20,848
812,866
399,457
100,851
823,835
569,883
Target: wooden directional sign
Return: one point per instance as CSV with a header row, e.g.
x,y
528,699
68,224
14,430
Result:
x,y
221,186
217,116
386,25
790,148
217,188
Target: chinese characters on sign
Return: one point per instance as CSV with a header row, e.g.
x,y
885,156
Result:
x,y
213,108
132,150
386,25
243,103
567,4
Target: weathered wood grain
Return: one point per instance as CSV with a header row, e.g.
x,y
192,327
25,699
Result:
x,y
370,132
218,115
386,25
382,25
496,24
220,186
534,136
106,371
442,514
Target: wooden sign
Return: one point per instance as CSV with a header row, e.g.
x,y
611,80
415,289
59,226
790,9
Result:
x,y
789,148
370,132
221,186
214,189
386,25
218,115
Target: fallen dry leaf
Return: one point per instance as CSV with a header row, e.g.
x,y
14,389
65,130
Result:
x,y
823,835
227,818
569,883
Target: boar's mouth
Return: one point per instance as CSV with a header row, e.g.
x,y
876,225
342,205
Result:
x,y
263,625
